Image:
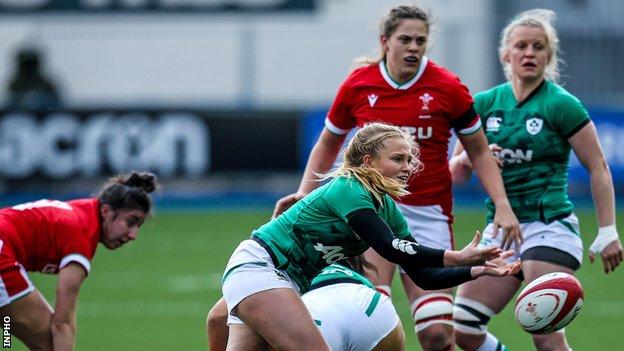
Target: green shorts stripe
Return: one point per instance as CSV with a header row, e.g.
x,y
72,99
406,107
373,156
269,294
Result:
x,y
569,226
373,304
258,263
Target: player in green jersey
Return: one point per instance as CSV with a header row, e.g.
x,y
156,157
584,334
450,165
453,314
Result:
x,y
532,125
266,274
350,313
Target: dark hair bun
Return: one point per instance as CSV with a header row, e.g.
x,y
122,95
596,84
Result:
x,y
143,180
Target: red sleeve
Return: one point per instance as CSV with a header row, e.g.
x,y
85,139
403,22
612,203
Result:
x,y
464,118
339,118
461,97
76,242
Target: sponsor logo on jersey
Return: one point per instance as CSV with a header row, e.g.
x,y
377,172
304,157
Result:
x,y
534,125
409,247
372,99
419,133
426,99
514,156
493,124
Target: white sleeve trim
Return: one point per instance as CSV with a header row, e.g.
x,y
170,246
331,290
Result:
x,y
470,130
332,128
76,258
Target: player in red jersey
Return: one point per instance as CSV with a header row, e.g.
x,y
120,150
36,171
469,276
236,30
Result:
x,y
405,88
57,237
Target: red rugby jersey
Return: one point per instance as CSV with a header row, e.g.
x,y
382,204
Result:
x,y
46,235
427,106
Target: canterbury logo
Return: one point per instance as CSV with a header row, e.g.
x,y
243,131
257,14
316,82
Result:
x,y
406,246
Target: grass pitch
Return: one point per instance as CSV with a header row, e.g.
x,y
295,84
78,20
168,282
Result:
x,y
155,293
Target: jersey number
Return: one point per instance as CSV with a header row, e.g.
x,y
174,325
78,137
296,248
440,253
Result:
x,y
331,254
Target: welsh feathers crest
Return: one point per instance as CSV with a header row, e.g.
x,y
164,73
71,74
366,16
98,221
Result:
x,y
426,99
534,125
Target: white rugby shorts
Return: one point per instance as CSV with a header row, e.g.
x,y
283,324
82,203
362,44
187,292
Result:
x,y
249,271
562,234
351,316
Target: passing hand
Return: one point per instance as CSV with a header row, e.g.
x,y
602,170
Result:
x,y
473,255
497,268
505,219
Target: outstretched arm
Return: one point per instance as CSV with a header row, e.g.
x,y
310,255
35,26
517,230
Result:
x,y
322,157
607,244
64,317
367,224
443,278
485,165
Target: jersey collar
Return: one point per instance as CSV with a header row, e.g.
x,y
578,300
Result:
x,y
409,83
531,95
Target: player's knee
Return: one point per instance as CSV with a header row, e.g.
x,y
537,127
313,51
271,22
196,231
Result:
x,y
433,320
431,309
550,342
217,317
436,337
470,319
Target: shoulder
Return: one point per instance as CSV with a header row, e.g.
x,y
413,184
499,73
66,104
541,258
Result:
x,y
491,93
362,74
488,97
559,97
443,75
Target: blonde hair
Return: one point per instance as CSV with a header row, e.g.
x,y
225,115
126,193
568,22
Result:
x,y
369,141
537,18
388,25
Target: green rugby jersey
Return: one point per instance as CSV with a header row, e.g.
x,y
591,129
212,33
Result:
x,y
337,273
313,233
533,135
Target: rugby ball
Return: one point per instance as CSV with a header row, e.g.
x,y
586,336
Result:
x,y
549,303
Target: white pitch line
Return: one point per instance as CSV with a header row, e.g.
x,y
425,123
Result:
x,y
194,282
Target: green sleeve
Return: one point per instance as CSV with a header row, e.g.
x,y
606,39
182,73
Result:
x,y
395,219
479,104
346,195
569,115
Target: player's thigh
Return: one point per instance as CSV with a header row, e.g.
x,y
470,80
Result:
x,y
535,269
480,290
286,325
243,338
395,341
31,317
383,270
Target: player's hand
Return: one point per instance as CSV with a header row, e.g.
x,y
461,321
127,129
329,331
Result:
x,y
612,255
505,219
497,268
285,202
473,255
464,160
495,149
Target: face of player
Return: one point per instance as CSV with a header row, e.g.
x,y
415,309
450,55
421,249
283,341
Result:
x,y
393,161
528,53
120,227
405,49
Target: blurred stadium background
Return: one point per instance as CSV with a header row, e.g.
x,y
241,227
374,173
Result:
x,y
223,100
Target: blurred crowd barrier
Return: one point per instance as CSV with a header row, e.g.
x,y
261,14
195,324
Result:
x,y
200,151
